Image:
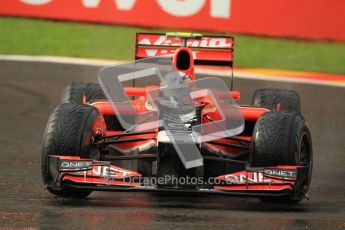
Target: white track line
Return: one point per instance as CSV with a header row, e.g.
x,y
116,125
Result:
x,y
60,60
220,73
253,76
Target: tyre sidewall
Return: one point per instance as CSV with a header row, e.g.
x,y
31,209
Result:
x,y
94,125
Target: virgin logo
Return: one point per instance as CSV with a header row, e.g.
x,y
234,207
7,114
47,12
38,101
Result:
x,y
164,41
160,41
177,8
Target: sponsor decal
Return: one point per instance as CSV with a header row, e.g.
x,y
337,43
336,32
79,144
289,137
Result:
x,y
161,40
315,19
111,172
75,165
243,178
87,168
178,8
36,2
260,177
206,42
281,173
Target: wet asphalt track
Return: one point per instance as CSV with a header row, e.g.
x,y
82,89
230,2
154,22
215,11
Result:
x,y
29,91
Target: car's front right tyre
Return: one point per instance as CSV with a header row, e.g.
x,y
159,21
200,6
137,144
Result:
x,y
69,132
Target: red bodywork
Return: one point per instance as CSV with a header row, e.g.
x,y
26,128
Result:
x,y
106,176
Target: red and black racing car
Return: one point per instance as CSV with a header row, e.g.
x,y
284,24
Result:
x,y
89,143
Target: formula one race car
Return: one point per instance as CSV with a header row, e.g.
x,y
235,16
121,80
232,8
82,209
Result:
x,y
151,125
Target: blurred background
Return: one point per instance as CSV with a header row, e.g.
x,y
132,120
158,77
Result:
x,y
304,35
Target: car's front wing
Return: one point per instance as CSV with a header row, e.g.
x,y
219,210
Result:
x,y
71,171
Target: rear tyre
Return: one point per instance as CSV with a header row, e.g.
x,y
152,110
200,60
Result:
x,y
75,91
283,138
69,132
277,99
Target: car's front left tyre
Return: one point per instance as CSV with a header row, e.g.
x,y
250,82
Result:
x,y
75,92
283,138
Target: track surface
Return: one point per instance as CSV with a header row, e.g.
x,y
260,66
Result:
x,y
29,91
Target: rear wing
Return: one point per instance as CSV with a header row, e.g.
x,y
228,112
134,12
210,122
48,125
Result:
x,y
206,50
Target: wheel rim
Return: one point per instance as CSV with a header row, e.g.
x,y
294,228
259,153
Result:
x,y
94,151
305,157
97,129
